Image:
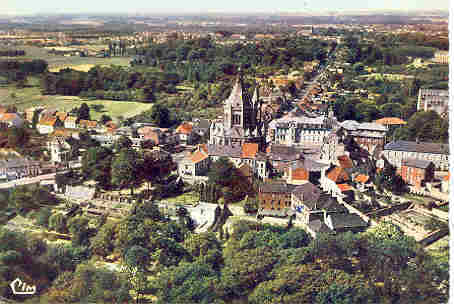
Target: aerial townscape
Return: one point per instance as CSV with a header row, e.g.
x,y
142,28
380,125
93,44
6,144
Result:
x,y
229,157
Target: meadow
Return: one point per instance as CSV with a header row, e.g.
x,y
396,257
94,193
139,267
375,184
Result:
x,y
31,97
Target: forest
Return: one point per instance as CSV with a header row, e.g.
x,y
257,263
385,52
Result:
x,y
250,262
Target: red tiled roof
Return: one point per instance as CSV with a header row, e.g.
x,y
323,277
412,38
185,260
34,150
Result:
x,y
337,174
249,150
344,187
48,120
361,178
88,123
61,115
345,162
8,116
390,121
204,148
184,128
300,174
198,156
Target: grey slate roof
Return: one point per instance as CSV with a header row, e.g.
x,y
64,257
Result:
x,y
421,147
417,163
227,151
204,124
308,164
276,187
319,227
307,192
284,153
347,220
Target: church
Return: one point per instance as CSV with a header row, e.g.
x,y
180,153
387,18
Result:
x,y
242,120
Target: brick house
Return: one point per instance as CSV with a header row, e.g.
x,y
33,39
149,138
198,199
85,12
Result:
x,y
417,172
275,198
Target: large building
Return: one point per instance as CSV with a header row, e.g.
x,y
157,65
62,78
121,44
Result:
x,y
396,151
441,57
242,118
367,135
435,100
300,129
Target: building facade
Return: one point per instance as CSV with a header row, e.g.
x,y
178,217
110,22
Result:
x,y
435,100
417,172
396,151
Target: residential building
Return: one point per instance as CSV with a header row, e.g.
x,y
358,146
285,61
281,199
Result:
x,y
70,122
14,168
184,132
342,222
417,172
8,120
202,127
367,135
311,204
441,57
299,129
396,151
435,100
195,166
48,124
59,150
88,124
275,198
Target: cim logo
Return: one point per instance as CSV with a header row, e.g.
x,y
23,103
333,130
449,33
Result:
x,y
21,288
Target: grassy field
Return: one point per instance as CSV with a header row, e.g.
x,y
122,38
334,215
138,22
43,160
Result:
x,y
57,62
32,97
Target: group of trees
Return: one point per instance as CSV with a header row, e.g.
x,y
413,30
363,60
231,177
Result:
x,y
115,82
265,264
18,71
280,52
126,169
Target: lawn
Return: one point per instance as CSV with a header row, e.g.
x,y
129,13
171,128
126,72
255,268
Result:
x,y
32,97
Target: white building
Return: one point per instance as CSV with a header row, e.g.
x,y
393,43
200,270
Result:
x,y
398,150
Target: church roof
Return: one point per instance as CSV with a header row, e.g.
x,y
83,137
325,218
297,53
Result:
x,y
236,96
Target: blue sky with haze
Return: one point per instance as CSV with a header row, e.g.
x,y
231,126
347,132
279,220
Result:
x,y
149,6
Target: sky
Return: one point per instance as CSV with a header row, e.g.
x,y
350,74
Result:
x,y
185,6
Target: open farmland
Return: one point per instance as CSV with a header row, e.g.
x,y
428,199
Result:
x,y
32,97
58,62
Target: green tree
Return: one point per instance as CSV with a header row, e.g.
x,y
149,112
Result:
x,y
126,168
80,232
83,112
17,137
160,115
